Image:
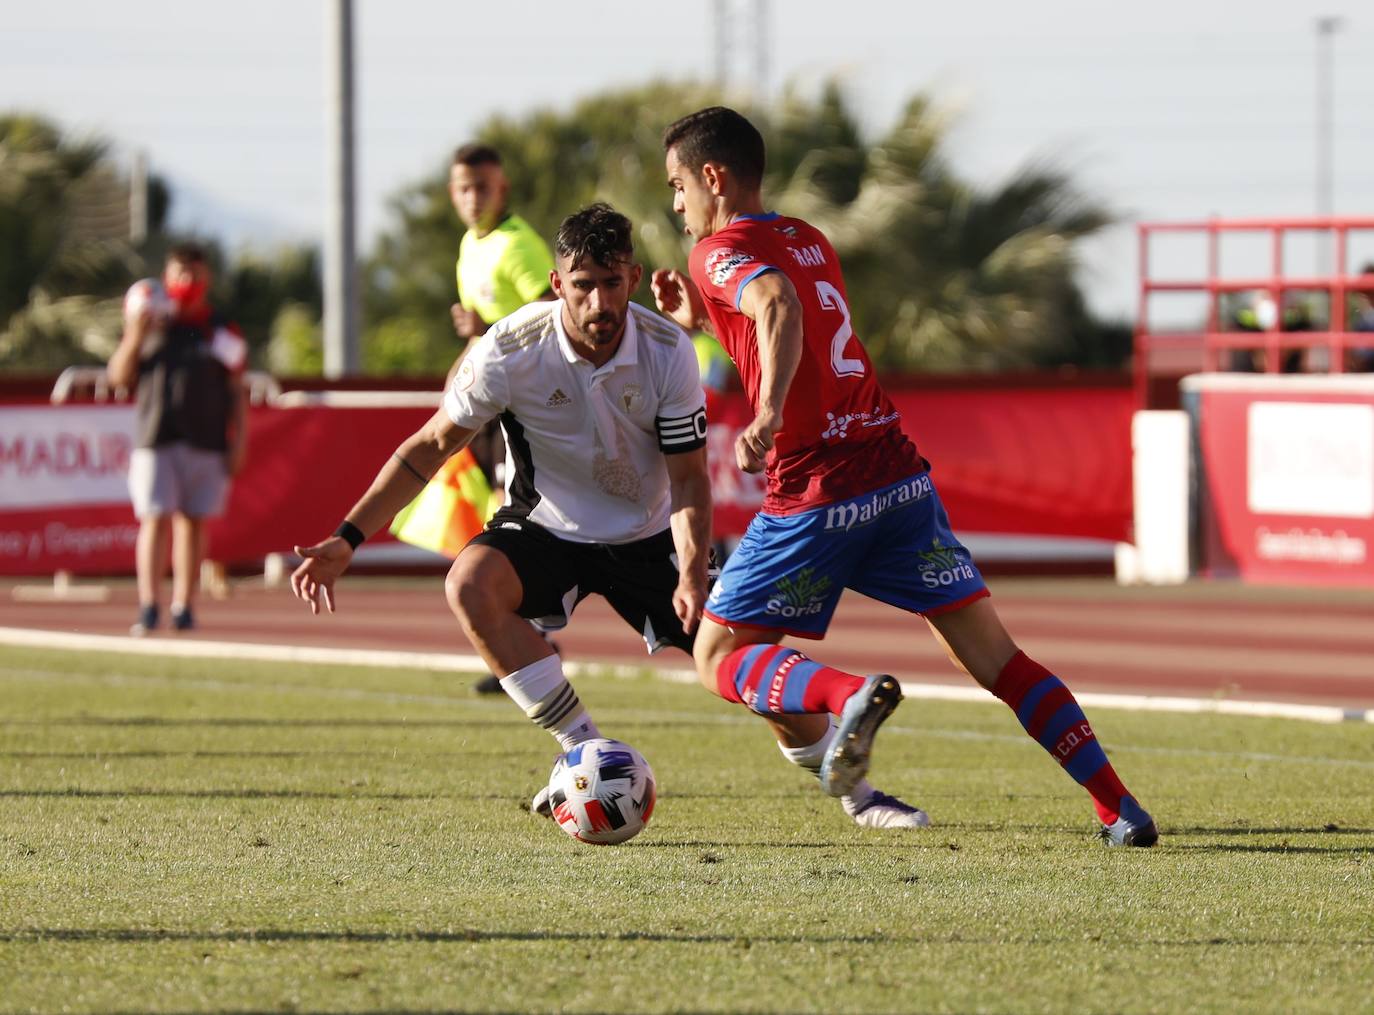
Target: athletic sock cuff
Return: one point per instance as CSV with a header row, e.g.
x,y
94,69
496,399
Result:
x,y
531,684
810,756
1018,676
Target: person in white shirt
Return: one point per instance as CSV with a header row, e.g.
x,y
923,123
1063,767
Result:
x,y
607,489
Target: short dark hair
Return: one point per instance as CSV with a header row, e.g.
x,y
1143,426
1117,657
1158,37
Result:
x,y
718,134
598,232
187,253
476,154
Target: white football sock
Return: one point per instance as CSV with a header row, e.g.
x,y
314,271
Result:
x,y
810,758
550,701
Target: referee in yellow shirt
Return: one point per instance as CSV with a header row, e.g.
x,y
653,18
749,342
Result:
x,y
503,264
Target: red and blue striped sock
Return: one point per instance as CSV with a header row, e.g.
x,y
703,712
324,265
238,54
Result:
x,y
1051,716
776,680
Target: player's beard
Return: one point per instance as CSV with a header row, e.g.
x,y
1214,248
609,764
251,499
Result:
x,y
602,336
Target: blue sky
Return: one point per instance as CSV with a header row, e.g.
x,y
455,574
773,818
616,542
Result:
x,y
1181,110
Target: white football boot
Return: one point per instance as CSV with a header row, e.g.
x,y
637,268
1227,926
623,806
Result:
x,y
880,810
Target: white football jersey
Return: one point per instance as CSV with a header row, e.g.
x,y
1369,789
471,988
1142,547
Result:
x,y
584,444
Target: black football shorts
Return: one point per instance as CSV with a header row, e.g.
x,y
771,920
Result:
x,y
638,579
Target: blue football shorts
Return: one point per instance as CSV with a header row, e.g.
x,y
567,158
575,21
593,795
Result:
x,y
893,545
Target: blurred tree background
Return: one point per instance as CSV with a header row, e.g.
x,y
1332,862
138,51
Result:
x,y
65,226
943,274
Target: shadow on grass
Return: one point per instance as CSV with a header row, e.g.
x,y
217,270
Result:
x,y
467,935
238,794
1272,847
1282,830
391,754
157,936
838,845
513,721
270,794
1278,848
340,723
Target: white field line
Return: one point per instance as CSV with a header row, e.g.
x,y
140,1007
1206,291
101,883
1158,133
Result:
x,y
1163,703
733,718
453,662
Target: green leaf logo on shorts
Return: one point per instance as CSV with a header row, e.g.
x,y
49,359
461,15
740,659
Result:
x,y
940,558
799,594
946,567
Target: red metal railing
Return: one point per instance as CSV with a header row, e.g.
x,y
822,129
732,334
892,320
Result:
x,y
1152,347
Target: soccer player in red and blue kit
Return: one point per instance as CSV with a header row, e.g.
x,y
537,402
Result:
x,y
850,502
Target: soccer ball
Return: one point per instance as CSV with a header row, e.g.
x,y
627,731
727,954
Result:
x,y
602,792
147,293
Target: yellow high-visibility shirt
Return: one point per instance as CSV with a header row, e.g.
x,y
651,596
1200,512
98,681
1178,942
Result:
x,y
502,271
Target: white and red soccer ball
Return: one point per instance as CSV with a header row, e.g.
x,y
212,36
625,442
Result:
x,y
147,294
602,792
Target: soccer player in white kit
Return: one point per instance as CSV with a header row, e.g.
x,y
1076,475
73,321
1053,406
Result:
x,y
607,489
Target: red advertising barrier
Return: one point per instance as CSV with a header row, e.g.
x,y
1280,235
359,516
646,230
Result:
x,y
63,496
1287,477
64,501
306,467
1031,461
1041,461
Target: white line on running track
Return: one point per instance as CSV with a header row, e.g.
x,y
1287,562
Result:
x,y
386,659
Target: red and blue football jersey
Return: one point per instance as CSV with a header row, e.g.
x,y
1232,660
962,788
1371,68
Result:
x,y
841,435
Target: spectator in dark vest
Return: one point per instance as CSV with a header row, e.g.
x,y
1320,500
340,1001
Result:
x,y
186,361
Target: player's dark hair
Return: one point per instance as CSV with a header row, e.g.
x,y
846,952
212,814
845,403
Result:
x,y
476,154
187,253
719,135
598,232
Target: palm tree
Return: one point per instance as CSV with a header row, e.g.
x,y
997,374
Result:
x,y
942,275
64,226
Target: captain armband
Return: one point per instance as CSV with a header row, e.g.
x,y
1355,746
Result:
x,y
681,433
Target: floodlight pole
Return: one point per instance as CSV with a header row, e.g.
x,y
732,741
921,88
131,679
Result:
x,y
138,197
721,24
1326,28
761,52
340,258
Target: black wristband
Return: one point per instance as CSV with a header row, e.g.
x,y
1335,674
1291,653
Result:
x,y
350,533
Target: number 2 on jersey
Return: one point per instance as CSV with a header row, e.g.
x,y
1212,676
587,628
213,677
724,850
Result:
x,y
832,300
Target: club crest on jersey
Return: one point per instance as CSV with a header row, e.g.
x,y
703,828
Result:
x,y
723,263
632,398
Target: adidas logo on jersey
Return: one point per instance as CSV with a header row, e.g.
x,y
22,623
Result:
x,y
558,398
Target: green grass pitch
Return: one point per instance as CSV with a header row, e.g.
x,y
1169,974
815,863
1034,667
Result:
x,y
219,836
